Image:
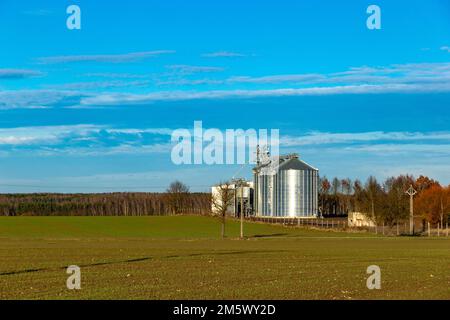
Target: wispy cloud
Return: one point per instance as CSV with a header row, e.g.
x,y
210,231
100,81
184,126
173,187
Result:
x,y
111,58
83,140
89,139
377,152
325,138
404,79
101,85
117,75
298,78
223,54
189,82
120,149
391,149
44,135
393,74
120,98
19,73
445,48
421,73
32,99
77,99
80,132
187,69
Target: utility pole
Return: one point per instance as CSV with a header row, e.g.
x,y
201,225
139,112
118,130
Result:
x,y
240,183
411,192
242,211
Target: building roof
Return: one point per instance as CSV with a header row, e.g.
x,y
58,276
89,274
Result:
x,y
295,164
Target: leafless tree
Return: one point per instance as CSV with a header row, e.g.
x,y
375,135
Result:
x,y
221,201
177,194
373,191
346,186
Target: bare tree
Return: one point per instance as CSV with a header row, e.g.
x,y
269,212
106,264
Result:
x,y
373,190
221,201
177,194
335,185
358,195
324,189
346,186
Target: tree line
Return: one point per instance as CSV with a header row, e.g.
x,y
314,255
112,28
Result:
x,y
385,202
176,200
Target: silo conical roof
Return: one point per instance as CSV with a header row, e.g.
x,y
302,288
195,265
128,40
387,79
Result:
x,y
295,164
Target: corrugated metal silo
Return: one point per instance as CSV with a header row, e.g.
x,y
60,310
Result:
x,y
291,191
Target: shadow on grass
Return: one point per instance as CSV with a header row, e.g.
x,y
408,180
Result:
x,y
270,235
8,273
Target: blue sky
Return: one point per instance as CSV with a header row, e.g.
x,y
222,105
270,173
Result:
x,y
92,110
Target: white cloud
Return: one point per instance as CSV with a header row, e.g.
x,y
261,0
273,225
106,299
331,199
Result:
x,y
105,150
299,78
393,74
124,98
190,82
445,48
425,150
41,134
64,140
19,73
44,136
404,79
374,152
113,58
321,138
32,99
187,69
161,131
78,99
116,75
101,85
223,54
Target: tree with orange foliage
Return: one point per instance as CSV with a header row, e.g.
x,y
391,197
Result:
x,y
433,204
423,182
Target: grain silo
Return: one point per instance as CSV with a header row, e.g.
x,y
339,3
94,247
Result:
x,y
289,191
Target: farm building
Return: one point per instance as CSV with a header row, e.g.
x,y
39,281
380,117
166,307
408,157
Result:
x,y
358,219
237,199
290,191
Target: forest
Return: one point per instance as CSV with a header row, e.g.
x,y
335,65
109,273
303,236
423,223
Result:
x,y
386,202
176,200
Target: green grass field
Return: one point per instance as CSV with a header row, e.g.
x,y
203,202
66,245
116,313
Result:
x,y
183,258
